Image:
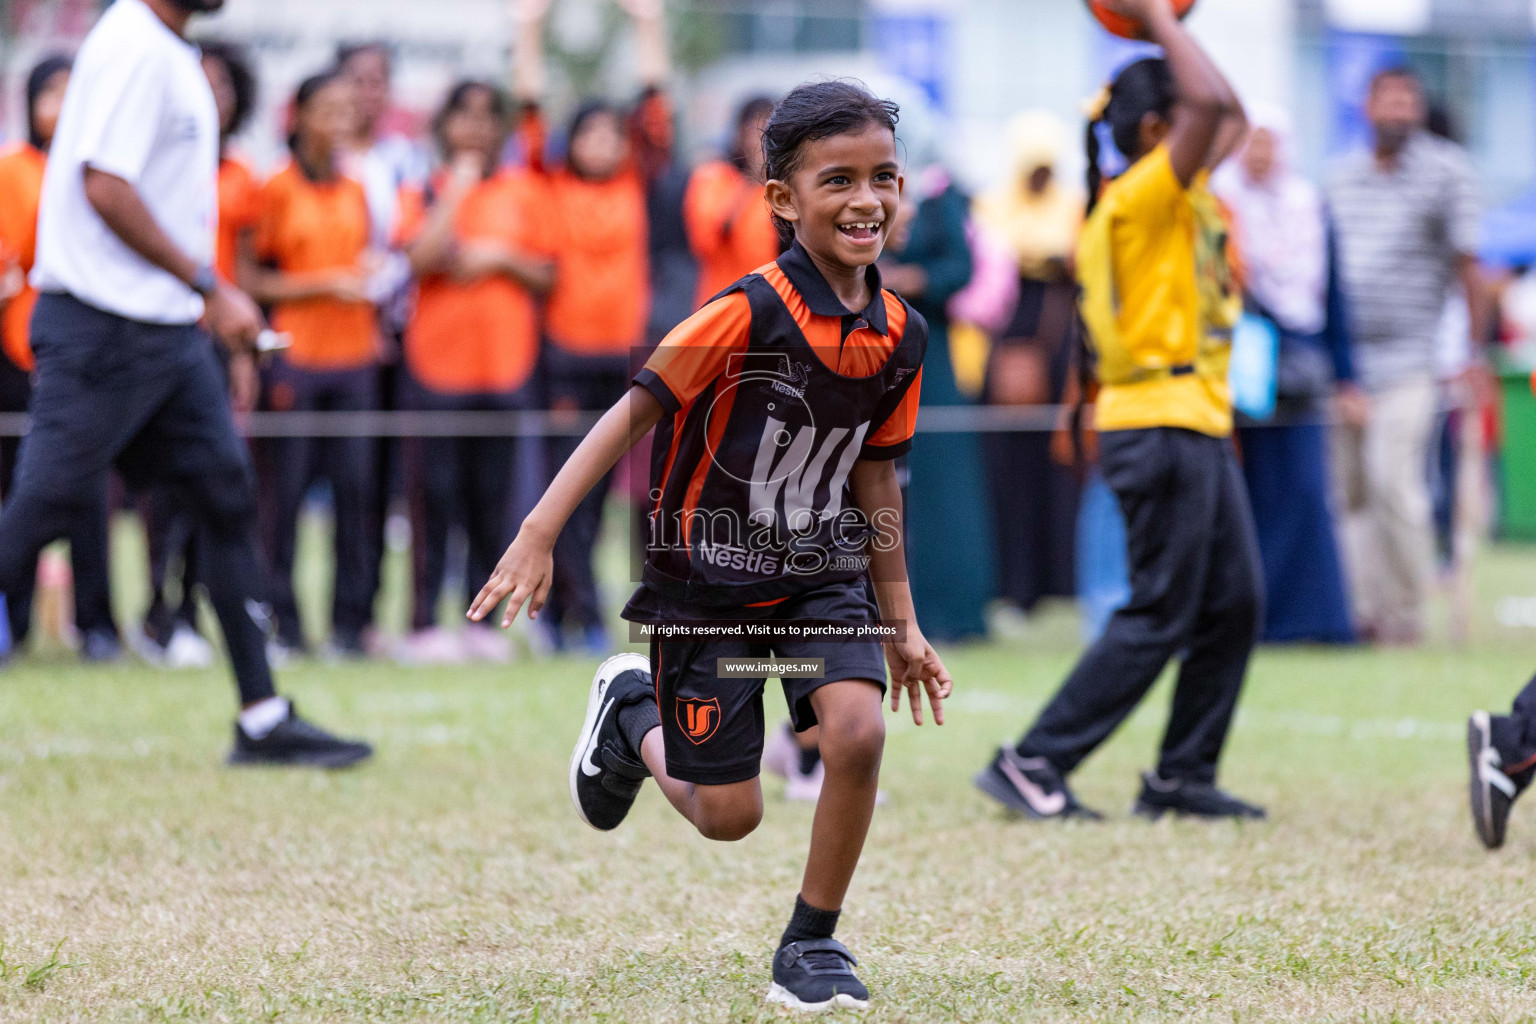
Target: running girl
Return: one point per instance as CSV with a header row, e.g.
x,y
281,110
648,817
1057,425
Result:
x,y
1159,303
779,408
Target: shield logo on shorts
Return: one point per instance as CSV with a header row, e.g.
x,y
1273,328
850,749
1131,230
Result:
x,y
698,718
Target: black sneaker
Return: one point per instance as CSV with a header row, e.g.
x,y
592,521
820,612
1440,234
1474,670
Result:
x,y
605,772
815,975
1494,787
295,743
101,647
1160,796
1031,786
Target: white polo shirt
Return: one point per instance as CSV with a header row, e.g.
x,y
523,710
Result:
x,y
138,107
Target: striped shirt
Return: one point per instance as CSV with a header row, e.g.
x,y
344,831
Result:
x,y
1401,232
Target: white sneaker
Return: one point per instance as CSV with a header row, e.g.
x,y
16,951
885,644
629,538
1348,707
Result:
x,y
804,788
432,646
781,755
188,649
486,643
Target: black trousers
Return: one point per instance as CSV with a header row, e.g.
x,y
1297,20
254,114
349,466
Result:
x,y
1196,588
457,480
591,383
150,399
291,464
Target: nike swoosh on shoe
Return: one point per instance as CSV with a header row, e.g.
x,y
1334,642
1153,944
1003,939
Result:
x,y
1047,804
589,765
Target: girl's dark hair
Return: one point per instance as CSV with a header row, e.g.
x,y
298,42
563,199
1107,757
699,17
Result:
x,y
37,81
1145,87
816,111
754,109
303,96
584,113
458,99
241,79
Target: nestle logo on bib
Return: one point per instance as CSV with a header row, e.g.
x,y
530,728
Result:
x,y
725,556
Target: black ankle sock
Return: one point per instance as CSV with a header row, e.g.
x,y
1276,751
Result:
x,y
809,923
810,757
635,720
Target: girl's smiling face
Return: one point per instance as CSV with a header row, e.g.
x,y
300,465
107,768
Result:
x,y
842,196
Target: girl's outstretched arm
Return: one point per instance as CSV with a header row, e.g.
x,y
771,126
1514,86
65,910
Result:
x,y
524,572
915,666
1207,111
655,57
529,76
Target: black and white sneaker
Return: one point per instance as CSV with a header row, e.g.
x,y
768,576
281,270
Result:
x,y
1494,786
1032,787
817,974
606,773
1160,796
295,743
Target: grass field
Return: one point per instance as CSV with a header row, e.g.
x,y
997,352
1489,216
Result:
x,y
450,880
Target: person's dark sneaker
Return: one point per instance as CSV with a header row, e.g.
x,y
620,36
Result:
x,y
1495,784
100,647
606,772
1160,796
295,743
1032,787
816,974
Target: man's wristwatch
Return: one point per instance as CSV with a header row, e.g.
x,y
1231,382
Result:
x,y
205,282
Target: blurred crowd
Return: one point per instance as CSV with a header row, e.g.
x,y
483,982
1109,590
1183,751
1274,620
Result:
x,y
508,263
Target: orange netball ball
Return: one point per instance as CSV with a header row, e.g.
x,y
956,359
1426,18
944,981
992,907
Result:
x,y
1130,28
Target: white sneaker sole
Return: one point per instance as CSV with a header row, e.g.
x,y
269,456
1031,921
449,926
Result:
x,y
1479,739
606,672
782,996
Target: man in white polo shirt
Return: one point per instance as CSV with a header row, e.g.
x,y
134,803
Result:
x,y
125,376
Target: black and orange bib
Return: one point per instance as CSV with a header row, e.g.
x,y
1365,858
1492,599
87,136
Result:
x,y
749,480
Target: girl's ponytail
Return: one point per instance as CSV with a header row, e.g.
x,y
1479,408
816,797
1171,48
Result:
x,y
1095,109
1142,88
1095,172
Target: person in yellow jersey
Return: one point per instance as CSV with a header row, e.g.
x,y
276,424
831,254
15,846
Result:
x,y
1159,303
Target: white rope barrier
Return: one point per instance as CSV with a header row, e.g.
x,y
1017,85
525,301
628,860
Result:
x,y
935,419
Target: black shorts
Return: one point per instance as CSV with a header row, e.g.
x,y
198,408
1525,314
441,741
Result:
x,y
713,727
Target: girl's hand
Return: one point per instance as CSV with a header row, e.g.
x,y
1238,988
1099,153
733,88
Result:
x,y
528,11
525,573
13,281
244,382
479,260
349,286
916,667
466,171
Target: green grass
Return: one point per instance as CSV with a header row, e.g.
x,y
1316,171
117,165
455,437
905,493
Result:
x,y
450,880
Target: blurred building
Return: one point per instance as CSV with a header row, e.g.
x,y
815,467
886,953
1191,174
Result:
x,y
976,61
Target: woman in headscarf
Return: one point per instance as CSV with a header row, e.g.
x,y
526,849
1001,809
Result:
x,y
1034,499
1284,240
